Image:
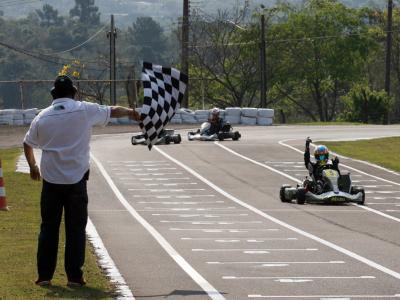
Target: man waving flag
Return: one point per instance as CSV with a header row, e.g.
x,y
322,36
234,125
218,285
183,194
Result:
x,y
163,92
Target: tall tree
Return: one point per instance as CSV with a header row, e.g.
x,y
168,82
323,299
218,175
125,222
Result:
x,y
86,11
49,16
148,40
322,48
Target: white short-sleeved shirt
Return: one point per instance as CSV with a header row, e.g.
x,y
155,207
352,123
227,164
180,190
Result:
x,y
63,132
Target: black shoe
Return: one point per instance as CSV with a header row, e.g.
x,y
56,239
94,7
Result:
x,y
43,282
76,282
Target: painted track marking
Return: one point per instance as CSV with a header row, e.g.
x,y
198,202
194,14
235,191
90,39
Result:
x,y
202,282
275,220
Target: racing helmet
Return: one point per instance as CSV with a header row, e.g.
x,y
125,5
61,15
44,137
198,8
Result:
x,y
321,153
215,112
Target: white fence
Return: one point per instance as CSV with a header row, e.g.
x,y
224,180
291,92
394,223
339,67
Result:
x,y
234,115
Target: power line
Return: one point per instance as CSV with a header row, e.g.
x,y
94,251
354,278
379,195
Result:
x,y
14,3
41,57
80,45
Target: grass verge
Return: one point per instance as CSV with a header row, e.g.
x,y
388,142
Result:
x,y
383,152
19,229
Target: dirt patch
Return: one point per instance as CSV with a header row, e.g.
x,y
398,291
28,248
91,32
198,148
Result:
x,y
12,136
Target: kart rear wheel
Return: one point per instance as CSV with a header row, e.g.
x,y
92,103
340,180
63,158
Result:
x,y
178,139
301,196
356,190
282,193
167,140
236,136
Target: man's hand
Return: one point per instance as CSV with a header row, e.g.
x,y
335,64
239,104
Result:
x,y
134,115
308,141
35,173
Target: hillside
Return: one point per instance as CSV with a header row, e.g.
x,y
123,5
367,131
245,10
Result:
x,y
164,11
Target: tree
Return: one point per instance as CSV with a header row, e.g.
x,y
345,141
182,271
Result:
x,y
148,40
222,60
366,105
86,11
49,16
322,48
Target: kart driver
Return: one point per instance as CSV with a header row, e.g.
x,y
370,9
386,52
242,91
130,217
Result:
x,y
215,122
321,154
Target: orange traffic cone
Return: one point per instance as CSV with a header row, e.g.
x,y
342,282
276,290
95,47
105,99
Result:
x,y
3,202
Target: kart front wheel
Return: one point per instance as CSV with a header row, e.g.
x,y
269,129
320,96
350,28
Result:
x,y
301,196
282,195
236,136
133,141
356,190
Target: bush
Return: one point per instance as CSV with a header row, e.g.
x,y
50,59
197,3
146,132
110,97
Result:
x,y
367,106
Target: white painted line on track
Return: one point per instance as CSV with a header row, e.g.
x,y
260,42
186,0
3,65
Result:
x,y
326,297
166,190
354,169
364,180
275,262
212,222
148,174
178,202
275,220
202,282
300,277
192,208
257,249
171,197
108,264
153,179
377,186
245,239
203,215
224,229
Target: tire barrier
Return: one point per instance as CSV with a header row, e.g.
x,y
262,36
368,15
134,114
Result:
x,y
233,115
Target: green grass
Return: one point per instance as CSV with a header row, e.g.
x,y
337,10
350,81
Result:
x,y
18,241
384,152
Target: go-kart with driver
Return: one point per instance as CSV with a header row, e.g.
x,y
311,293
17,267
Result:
x,y
325,183
215,129
166,136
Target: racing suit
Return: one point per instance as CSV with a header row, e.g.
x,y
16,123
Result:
x,y
215,126
315,168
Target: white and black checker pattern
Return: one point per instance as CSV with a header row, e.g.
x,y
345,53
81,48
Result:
x,y
164,89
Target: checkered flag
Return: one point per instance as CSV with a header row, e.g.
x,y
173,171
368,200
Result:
x,y
163,92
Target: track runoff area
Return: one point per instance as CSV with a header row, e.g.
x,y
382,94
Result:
x,y
203,220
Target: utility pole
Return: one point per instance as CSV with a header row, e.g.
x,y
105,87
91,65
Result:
x,y
112,35
263,64
185,48
388,46
388,53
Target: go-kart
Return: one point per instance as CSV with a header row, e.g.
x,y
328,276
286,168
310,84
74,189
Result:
x,y
332,189
165,137
226,132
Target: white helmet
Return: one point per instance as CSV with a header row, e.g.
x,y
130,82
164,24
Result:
x,y
215,111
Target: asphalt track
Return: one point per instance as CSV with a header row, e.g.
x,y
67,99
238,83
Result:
x,y
203,220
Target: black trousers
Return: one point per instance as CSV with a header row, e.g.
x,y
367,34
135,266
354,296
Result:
x,y
73,199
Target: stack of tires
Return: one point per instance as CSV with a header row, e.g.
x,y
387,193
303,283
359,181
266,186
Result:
x,y
202,115
233,115
265,116
249,116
